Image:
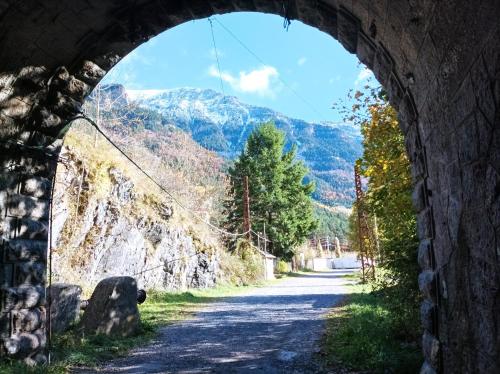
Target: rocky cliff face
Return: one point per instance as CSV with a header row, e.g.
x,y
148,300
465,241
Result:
x,y
102,227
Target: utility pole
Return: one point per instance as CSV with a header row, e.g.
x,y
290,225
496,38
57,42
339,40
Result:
x,y
265,238
246,208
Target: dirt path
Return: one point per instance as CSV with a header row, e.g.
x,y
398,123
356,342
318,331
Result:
x,y
273,329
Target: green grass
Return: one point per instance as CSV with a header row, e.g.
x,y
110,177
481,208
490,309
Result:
x,y
354,276
161,308
360,336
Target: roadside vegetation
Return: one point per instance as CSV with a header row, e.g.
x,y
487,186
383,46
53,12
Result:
x,y
362,334
378,328
73,349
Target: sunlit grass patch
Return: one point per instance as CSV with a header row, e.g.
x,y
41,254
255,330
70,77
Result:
x,y
360,336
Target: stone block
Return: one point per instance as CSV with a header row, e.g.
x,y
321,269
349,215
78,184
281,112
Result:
x,y
112,309
266,6
427,369
218,7
306,13
201,8
328,19
16,108
425,224
419,197
419,165
23,297
427,315
394,90
407,112
6,276
25,206
348,29
28,320
64,305
90,73
24,344
366,50
431,348
427,284
22,229
36,75
36,186
425,254
46,120
64,105
383,65
29,273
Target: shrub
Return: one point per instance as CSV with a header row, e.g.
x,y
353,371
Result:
x,y
282,267
244,266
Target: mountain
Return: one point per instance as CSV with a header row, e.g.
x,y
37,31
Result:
x,y
223,123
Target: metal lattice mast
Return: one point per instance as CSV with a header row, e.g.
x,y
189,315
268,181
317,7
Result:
x,y
361,231
367,255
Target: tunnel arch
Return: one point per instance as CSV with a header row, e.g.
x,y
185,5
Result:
x,y
439,62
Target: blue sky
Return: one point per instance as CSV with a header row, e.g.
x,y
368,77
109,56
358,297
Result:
x,y
301,61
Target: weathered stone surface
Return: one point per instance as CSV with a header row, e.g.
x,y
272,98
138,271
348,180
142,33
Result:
x,y
348,28
427,283
112,309
427,369
24,344
64,302
90,73
445,55
126,244
431,348
425,254
28,320
427,315
23,297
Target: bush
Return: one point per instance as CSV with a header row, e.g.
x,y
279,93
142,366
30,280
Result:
x,y
282,267
244,266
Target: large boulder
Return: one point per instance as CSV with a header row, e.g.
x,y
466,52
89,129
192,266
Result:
x,y
64,305
112,309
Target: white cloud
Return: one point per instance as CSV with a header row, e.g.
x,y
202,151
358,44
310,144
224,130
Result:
x,y
302,61
363,76
258,81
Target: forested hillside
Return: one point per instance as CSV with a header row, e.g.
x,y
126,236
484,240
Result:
x,y
163,123
223,123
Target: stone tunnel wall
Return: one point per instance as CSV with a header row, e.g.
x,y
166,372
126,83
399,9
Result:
x,y
439,61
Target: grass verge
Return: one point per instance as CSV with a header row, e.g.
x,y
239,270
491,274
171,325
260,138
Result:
x,y
73,349
360,336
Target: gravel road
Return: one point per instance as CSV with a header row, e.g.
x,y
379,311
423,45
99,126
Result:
x,y
272,329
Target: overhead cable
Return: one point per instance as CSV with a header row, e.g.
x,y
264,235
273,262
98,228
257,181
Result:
x,y
155,182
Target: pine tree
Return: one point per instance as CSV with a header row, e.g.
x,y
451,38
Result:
x,y
279,198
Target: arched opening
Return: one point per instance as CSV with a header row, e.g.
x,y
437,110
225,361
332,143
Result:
x,y
438,62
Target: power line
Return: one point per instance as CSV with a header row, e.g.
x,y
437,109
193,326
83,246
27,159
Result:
x,y
217,56
155,182
285,83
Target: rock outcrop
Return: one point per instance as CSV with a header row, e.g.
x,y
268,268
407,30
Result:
x,y
119,232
